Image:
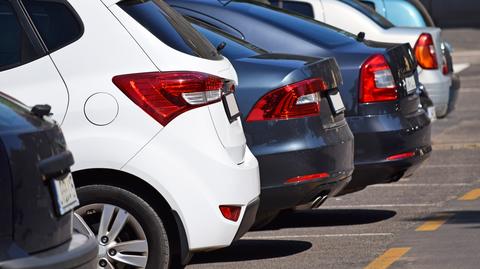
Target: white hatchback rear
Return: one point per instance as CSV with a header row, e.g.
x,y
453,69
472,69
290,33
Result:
x,y
162,167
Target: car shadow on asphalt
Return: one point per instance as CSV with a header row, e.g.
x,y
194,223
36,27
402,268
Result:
x,y
248,249
469,218
328,217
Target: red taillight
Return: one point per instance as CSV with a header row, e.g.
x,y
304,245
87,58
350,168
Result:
x,y
230,212
376,81
425,52
401,156
301,99
307,178
165,95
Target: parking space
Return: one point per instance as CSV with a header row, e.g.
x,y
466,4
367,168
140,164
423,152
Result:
x,y
418,222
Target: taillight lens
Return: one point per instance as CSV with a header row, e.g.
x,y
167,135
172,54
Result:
x,y
376,81
165,95
425,52
230,212
297,100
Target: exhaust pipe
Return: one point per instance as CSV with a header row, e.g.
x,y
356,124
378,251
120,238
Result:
x,y
319,201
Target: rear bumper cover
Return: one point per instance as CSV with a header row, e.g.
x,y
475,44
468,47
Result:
x,y
381,136
454,92
329,151
79,253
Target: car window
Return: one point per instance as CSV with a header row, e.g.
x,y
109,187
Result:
x,y
299,7
15,46
170,27
235,48
369,12
56,22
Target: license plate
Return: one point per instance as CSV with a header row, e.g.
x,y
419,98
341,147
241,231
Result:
x,y
410,84
65,194
231,107
336,102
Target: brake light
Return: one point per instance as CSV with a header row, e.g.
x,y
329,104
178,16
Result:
x,y
376,81
425,52
297,100
230,212
165,95
401,156
307,178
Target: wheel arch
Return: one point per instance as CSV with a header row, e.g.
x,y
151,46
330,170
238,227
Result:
x,y
175,229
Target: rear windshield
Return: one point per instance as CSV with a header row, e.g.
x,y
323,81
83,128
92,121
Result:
x,y
235,48
169,27
369,12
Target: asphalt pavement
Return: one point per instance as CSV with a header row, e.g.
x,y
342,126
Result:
x,y
430,220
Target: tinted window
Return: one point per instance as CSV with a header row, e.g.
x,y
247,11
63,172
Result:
x,y
299,7
169,27
15,47
235,48
371,13
57,24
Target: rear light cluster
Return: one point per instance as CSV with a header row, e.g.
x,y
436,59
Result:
x,y
425,52
300,179
376,81
301,99
165,95
401,156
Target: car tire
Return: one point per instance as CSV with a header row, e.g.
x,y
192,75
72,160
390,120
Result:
x,y
141,223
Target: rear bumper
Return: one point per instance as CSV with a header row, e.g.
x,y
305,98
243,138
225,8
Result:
x,y
328,151
381,136
438,87
78,253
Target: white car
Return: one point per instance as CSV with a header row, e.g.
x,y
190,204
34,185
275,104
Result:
x,y
354,17
146,106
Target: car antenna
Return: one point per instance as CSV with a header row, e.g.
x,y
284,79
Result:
x,y
221,46
361,36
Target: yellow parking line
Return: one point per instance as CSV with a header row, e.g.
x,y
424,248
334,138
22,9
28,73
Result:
x,y
471,195
433,225
387,258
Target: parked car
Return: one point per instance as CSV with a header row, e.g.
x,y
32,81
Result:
x,y
294,122
162,167
425,41
379,82
37,194
448,14
411,13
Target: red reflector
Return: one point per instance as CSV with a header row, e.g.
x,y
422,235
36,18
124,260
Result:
x,y
307,178
401,156
297,100
376,81
230,212
165,95
425,52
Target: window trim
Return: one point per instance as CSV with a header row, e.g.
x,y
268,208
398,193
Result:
x,y
25,26
37,33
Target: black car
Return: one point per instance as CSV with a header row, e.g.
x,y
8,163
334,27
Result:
x,y
452,14
37,194
391,132
292,123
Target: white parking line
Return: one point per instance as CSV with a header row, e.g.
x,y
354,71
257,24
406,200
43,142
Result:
x,y
470,90
449,165
316,236
377,206
457,68
469,78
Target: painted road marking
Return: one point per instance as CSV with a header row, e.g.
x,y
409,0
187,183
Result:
x,y
387,258
471,195
435,223
406,185
316,236
457,68
459,165
453,146
470,90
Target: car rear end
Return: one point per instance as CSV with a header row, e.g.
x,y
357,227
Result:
x,y
37,195
392,132
433,68
294,122
199,160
